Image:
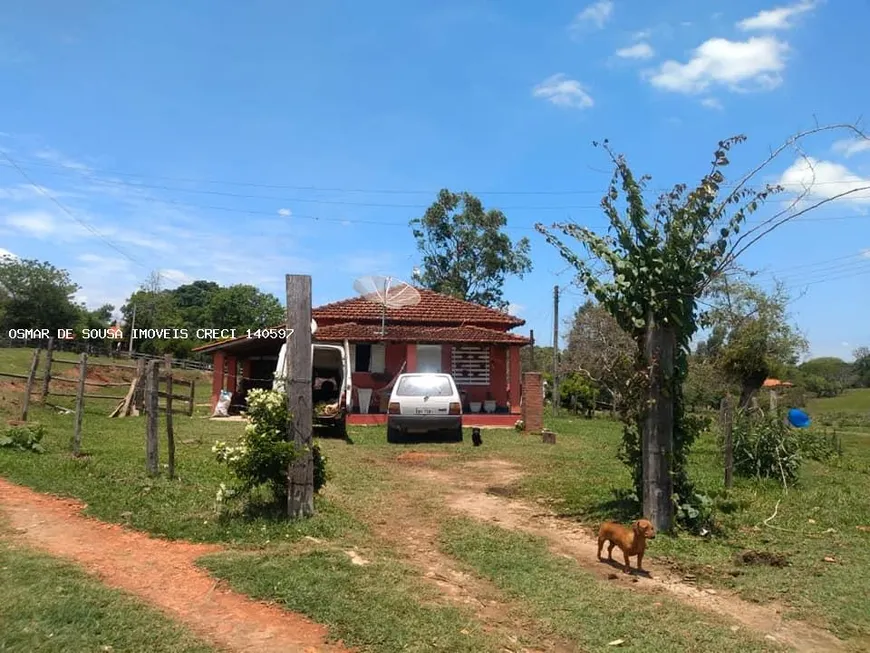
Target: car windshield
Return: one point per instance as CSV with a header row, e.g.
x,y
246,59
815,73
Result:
x,y
422,386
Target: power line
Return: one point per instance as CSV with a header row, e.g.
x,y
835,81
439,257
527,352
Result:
x,y
69,213
374,191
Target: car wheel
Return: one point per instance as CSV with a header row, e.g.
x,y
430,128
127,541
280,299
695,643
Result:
x,y
394,436
456,434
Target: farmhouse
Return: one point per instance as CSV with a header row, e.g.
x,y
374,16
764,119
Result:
x,y
439,334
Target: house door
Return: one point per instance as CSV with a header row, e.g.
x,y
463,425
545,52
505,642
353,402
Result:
x,y
428,358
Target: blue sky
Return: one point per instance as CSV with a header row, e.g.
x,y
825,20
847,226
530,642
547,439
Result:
x,y
242,141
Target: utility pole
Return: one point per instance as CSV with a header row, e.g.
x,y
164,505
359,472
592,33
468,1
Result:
x,y
555,350
531,351
132,328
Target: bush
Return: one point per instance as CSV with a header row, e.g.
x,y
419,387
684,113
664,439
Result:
x,y
819,446
24,438
263,454
765,447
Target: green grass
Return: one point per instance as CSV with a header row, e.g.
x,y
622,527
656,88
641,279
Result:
x,y
855,400
577,607
380,606
52,606
577,477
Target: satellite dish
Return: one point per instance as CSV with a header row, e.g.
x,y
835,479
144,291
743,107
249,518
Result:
x,y
388,292
313,326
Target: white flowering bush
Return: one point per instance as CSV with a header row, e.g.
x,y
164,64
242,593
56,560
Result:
x,y
263,454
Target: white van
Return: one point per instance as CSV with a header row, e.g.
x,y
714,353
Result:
x,y
332,384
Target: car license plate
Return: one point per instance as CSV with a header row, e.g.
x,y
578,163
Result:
x,y
425,411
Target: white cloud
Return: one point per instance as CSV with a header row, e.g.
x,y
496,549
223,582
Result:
x,y
5,253
596,14
712,103
171,277
825,179
850,147
779,18
286,213
737,65
636,51
866,253
642,35
563,92
515,309
37,224
845,344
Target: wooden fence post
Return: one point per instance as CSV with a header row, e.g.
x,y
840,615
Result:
x,y
727,416
80,404
46,377
141,384
34,365
192,398
300,489
152,420
170,436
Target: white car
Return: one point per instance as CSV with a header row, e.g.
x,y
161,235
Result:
x,y
423,403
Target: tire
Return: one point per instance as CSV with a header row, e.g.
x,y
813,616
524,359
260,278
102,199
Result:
x,y
456,434
341,430
394,436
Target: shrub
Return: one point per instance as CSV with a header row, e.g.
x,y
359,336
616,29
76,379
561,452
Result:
x,y
819,446
765,447
24,438
263,454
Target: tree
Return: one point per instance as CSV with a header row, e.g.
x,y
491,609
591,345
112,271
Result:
x,y
759,342
536,359
465,252
35,295
861,366
652,273
601,350
705,385
244,307
827,376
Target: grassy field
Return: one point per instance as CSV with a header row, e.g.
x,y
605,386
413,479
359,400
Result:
x,y
389,605
53,606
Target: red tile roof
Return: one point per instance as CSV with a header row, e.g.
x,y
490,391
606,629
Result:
x,y
434,308
353,332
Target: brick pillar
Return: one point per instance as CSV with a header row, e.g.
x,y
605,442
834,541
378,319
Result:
x,y
533,401
514,371
232,373
217,377
411,357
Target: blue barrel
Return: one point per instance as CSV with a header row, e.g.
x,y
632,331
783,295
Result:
x,y
798,418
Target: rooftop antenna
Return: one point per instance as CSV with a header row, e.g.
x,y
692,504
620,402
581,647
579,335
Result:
x,y
388,292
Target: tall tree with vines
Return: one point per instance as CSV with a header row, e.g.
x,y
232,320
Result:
x,y
650,271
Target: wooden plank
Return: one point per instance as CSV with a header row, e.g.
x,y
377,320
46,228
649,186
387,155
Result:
x,y
139,394
300,490
92,364
12,375
87,396
170,436
80,404
25,403
165,395
46,378
152,421
190,399
175,381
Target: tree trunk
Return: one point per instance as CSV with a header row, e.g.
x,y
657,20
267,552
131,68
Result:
x,y
658,428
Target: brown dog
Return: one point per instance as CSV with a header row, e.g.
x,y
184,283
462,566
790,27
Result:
x,y
632,541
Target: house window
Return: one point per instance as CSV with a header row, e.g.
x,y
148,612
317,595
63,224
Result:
x,y
428,358
471,365
369,358
362,358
